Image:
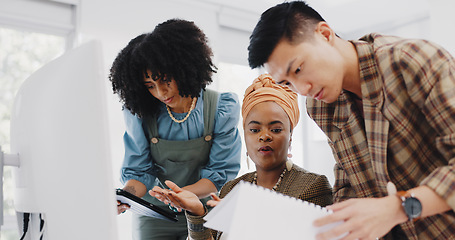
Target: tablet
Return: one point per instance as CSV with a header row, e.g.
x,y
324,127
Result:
x,y
142,207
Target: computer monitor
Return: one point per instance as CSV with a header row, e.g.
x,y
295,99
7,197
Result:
x,y
59,128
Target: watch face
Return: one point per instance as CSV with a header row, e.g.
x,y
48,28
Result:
x,y
413,207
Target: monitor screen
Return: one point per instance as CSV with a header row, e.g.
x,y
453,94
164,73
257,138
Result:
x,y
59,129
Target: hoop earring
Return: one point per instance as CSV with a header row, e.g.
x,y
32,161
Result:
x,y
289,152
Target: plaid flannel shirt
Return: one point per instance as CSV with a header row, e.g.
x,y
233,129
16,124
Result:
x,y
406,133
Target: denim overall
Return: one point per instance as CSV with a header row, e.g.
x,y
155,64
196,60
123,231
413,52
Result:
x,y
180,162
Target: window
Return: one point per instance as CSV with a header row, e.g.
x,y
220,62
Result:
x,y
23,53
32,33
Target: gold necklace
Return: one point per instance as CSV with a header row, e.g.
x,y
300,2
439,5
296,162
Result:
x,y
255,179
193,103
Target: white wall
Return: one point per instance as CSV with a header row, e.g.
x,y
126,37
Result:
x,y
442,23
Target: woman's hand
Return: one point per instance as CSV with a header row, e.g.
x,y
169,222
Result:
x,y
215,200
134,187
160,194
178,198
367,218
122,207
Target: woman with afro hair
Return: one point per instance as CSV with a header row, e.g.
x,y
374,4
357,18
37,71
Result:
x,y
176,129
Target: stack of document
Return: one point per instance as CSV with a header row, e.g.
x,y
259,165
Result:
x,y
253,212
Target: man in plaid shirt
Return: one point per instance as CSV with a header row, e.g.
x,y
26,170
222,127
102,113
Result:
x,y
387,106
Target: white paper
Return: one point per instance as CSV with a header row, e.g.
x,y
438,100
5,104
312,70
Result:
x,y
252,212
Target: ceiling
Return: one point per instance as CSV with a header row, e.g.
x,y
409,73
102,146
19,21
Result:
x,y
258,6
347,17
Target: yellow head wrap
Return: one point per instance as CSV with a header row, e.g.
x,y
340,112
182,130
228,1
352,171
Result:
x,y
264,89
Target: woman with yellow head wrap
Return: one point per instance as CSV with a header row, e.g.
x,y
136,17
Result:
x,y
265,89
270,112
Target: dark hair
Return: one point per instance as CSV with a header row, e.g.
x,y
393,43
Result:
x,y
175,49
292,21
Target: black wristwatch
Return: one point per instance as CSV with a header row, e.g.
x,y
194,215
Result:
x,y
411,205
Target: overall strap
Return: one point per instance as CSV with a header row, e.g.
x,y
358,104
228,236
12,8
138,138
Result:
x,y
210,107
150,125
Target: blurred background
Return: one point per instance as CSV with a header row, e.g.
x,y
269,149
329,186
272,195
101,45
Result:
x,y
34,32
